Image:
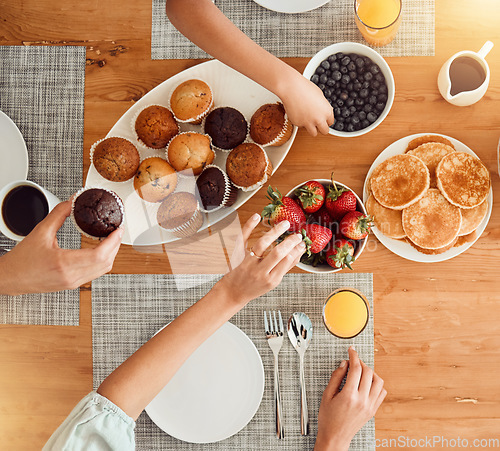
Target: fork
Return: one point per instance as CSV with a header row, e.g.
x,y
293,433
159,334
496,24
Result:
x,y
274,337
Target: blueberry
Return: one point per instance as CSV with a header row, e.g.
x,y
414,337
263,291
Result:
x,y
382,98
328,73
345,112
315,79
351,65
355,120
334,66
321,86
354,56
347,120
353,95
363,93
340,102
365,123
346,79
343,70
330,82
383,89
374,69
336,75
380,106
357,86
368,76
365,85
367,107
376,84
360,62
328,92
332,58
343,86
323,78
372,100
338,91
353,75
352,109
350,128
349,102
372,117
379,77
336,111
344,96
339,126
345,60
362,115
359,102
339,55
325,65
350,86
374,92
320,70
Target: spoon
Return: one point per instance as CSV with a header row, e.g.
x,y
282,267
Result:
x,y
300,334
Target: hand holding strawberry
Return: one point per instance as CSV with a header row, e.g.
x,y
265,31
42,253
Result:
x,y
283,208
356,225
311,195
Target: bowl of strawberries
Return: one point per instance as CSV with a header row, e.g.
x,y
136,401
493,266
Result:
x,y
331,218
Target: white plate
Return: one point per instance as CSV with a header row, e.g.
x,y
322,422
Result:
x,y
215,393
230,88
291,6
13,151
402,248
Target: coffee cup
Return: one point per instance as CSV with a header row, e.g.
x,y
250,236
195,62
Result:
x,y
464,78
23,204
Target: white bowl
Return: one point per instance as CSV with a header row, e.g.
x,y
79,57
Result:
x,y
360,49
326,268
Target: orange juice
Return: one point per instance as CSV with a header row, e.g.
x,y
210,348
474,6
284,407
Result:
x,y
346,312
378,20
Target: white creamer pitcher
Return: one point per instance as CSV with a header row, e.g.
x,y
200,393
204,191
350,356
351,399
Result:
x,y
465,98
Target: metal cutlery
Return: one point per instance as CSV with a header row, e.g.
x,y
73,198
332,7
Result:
x,y
300,334
274,335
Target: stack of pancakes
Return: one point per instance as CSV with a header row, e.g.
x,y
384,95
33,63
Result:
x,y
431,196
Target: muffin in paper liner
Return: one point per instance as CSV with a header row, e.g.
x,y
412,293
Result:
x,y
283,135
92,151
189,226
267,173
188,172
170,190
139,140
197,119
75,223
220,148
230,191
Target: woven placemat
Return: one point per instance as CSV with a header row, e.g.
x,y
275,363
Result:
x,y
42,90
299,35
128,309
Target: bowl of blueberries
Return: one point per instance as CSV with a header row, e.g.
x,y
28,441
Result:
x,y
357,82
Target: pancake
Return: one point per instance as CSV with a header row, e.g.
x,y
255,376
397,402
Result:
x,y
433,251
414,143
432,222
387,221
431,154
463,179
399,181
472,217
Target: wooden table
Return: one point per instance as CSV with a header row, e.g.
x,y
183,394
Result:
x,y
437,334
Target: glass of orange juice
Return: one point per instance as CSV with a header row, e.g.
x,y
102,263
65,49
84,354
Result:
x,y
378,20
346,312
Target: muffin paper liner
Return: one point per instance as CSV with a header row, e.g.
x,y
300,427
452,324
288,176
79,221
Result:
x,y
190,227
139,141
92,150
72,215
267,173
220,148
197,119
180,173
230,193
283,136
176,183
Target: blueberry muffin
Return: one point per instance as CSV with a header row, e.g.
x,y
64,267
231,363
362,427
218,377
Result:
x,y
190,150
155,179
191,101
116,159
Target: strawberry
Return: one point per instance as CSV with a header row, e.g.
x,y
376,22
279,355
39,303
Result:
x,y
316,238
339,201
283,208
340,254
356,225
311,196
321,217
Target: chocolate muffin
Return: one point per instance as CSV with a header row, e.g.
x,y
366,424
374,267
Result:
x,y
155,179
156,126
191,101
116,159
180,214
190,150
215,189
248,166
97,212
227,127
270,126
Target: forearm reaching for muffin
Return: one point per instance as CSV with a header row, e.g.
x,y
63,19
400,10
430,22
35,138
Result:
x,y
38,265
206,26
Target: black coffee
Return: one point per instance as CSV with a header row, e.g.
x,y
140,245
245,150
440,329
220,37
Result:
x,y
23,208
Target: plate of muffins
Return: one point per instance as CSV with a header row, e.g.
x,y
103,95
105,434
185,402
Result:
x,y
190,151
430,196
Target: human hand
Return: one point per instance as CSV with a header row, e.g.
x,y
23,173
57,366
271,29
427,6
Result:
x,y
343,413
252,275
305,104
38,265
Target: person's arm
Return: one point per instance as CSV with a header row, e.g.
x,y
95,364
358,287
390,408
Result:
x,y
142,376
343,413
37,264
207,27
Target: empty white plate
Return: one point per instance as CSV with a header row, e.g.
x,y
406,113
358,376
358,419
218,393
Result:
x,y
13,152
215,393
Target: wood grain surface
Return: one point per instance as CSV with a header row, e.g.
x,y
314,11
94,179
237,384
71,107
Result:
x,y
437,333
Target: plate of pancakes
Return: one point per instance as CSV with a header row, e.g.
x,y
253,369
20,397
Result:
x,y
430,196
